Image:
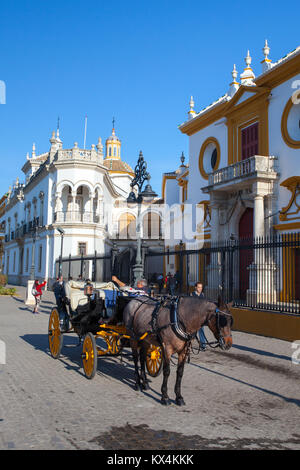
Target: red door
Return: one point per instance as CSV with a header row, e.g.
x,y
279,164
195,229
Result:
x,y
250,141
246,253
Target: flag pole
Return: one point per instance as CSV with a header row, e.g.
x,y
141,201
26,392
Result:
x,y
85,124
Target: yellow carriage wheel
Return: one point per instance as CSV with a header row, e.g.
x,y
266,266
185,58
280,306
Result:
x,y
154,360
55,336
89,356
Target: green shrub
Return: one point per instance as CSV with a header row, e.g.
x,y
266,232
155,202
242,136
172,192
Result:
x,y
7,291
3,280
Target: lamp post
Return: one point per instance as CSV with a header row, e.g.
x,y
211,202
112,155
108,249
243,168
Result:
x,y
34,232
30,300
141,175
62,232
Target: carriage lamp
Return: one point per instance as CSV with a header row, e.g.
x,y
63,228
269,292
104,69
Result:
x,y
141,175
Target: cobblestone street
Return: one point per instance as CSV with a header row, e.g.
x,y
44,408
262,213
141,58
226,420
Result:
x,y
246,398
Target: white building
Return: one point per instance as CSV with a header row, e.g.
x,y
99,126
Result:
x,y
244,159
78,191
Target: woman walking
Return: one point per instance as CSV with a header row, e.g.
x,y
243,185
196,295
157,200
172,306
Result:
x,y
37,293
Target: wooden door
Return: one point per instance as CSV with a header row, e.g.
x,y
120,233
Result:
x,y
250,141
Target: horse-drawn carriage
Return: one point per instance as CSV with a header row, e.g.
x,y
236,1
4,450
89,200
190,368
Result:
x,y
95,310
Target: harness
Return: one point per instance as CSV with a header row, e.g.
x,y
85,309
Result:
x,y
176,324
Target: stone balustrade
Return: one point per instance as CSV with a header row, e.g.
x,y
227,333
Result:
x,y
78,154
257,165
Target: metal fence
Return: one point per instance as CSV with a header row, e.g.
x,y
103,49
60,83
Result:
x,y
262,273
97,268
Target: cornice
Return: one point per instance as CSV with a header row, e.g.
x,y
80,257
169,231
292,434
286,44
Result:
x,y
276,75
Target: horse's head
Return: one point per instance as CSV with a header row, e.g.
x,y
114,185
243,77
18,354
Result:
x,y
220,323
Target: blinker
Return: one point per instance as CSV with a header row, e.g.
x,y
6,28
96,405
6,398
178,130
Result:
x,y
222,320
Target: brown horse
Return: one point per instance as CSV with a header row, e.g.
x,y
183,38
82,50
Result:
x,y
172,325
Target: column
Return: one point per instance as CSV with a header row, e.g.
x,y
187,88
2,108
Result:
x,y
259,216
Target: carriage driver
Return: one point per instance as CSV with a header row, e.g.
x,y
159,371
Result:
x,y
59,292
141,286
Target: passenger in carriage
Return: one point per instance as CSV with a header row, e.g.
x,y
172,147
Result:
x,y
141,286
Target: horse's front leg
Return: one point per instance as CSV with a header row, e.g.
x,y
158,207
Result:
x,y
135,355
165,400
179,374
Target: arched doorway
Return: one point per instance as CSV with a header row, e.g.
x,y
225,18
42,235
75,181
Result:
x,y
246,250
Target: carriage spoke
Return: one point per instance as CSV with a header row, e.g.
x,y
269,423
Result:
x,y
55,336
154,360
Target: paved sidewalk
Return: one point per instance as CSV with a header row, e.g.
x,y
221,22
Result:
x,y
245,398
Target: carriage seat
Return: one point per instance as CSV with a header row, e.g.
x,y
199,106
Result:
x,y
75,292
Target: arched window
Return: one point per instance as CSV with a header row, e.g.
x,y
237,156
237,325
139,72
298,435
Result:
x,y
109,151
151,226
115,151
127,226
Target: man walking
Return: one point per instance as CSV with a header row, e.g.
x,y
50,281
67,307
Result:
x,y
198,292
171,284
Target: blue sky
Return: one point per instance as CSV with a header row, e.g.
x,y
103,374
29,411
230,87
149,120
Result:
x,y
135,60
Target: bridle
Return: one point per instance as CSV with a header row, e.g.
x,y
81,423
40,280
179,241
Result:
x,y
220,342
220,325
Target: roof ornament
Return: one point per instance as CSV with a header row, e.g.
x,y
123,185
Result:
x,y
113,126
33,151
52,139
266,63
247,76
192,112
234,85
182,159
99,145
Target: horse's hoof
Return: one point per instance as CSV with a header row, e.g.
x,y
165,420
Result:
x,y
146,386
180,401
137,387
165,401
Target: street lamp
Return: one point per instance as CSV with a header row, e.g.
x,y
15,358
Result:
x,y
62,232
141,175
30,300
34,233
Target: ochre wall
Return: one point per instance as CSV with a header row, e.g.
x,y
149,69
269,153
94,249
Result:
x,y
276,325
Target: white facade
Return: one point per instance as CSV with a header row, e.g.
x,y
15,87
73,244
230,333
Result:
x,y
228,181
76,190
244,171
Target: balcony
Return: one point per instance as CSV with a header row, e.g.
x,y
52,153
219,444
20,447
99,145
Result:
x,y
81,155
243,173
76,217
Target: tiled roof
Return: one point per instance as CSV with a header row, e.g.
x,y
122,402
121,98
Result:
x,y
117,165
